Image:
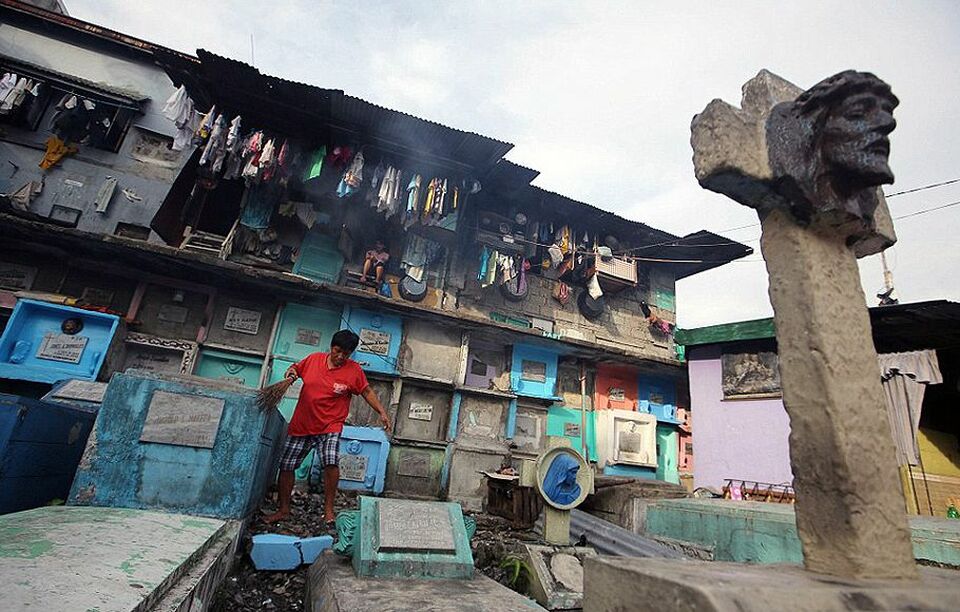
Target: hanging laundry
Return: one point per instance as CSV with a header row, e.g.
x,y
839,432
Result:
x,y
268,160
215,144
261,199
15,95
7,83
206,125
352,177
413,200
593,287
315,165
306,214
56,150
283,160
376,180
22,197
252,154
72,123
484,262
105,194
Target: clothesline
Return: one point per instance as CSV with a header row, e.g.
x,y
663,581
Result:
x,y
577,251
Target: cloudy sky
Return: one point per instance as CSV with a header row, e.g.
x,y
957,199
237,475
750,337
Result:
x,y
598,96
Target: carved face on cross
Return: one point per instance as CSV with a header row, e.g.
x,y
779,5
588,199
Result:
x,y
852,115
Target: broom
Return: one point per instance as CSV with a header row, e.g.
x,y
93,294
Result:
x,y
269,397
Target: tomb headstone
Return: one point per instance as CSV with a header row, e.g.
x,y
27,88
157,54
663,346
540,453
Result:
x,y
564,479
412,539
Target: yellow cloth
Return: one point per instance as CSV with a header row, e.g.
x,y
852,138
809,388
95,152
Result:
x,y
56,150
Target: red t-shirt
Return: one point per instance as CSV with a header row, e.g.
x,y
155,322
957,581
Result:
x,y
325,398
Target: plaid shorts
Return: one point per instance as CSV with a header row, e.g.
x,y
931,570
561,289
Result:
x,y
295,449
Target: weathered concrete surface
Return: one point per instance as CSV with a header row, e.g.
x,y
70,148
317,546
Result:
x,y
758,532
119,469
557,576
850,511
615,584
624,501
112,559
333,587
813,175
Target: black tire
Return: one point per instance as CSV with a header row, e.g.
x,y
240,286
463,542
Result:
x,y
512,292
590,308
412,290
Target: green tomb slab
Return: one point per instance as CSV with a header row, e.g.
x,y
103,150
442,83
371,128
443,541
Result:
x,y
401,538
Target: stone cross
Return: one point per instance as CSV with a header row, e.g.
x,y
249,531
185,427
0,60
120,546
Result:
x,y
811,164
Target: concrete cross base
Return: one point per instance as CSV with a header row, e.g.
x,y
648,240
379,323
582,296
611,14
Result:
x,y
616,583
332,586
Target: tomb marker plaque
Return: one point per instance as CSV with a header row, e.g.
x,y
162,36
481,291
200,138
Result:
x,y
84,390
62,347
376,342
412,526
353,467
182,419
242,321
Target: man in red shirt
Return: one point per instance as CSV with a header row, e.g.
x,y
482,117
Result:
x,y
329,381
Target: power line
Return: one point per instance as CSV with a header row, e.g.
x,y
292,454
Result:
x,y
926,210
916,189
891,195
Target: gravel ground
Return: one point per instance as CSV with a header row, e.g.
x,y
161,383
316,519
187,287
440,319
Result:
x,y
247,589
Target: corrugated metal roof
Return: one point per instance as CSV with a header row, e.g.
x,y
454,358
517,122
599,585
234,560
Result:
x,y
896,328
260,97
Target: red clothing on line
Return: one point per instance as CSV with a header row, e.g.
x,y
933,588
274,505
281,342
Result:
x,y
325,398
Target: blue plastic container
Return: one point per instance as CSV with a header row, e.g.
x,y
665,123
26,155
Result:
x,y
40,446
533,371
225,480
363,459
34,346
380,338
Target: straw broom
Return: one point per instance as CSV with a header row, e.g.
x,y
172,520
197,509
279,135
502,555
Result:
x,y
269,397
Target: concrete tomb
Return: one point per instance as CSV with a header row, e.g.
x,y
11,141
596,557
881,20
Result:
x,y
412,539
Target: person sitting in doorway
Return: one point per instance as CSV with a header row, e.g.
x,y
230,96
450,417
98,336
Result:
x,y
375,260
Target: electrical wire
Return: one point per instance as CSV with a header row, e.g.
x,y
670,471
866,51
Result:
x,y
923,188
926,210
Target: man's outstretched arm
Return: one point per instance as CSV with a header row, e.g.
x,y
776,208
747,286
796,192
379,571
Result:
x,y
370,396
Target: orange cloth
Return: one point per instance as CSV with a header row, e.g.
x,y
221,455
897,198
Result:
x,y
56,150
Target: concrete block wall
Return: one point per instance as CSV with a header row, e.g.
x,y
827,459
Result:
x,y
621,326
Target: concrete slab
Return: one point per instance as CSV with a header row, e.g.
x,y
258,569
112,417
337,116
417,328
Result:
x,y
759,532
112,559
557,580
618,583
333,587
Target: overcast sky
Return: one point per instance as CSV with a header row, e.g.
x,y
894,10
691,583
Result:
x,y
598,96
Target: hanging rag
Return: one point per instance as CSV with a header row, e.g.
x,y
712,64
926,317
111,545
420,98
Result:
x,y
261,199
105,194
315,165
352,177
22,197
484,262
905,377
306,214
179,109
56,150
206,124
593,287
216,141
561,293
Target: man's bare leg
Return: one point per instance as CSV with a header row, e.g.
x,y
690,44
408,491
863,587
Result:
x,y
331,478
285,490
366,269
